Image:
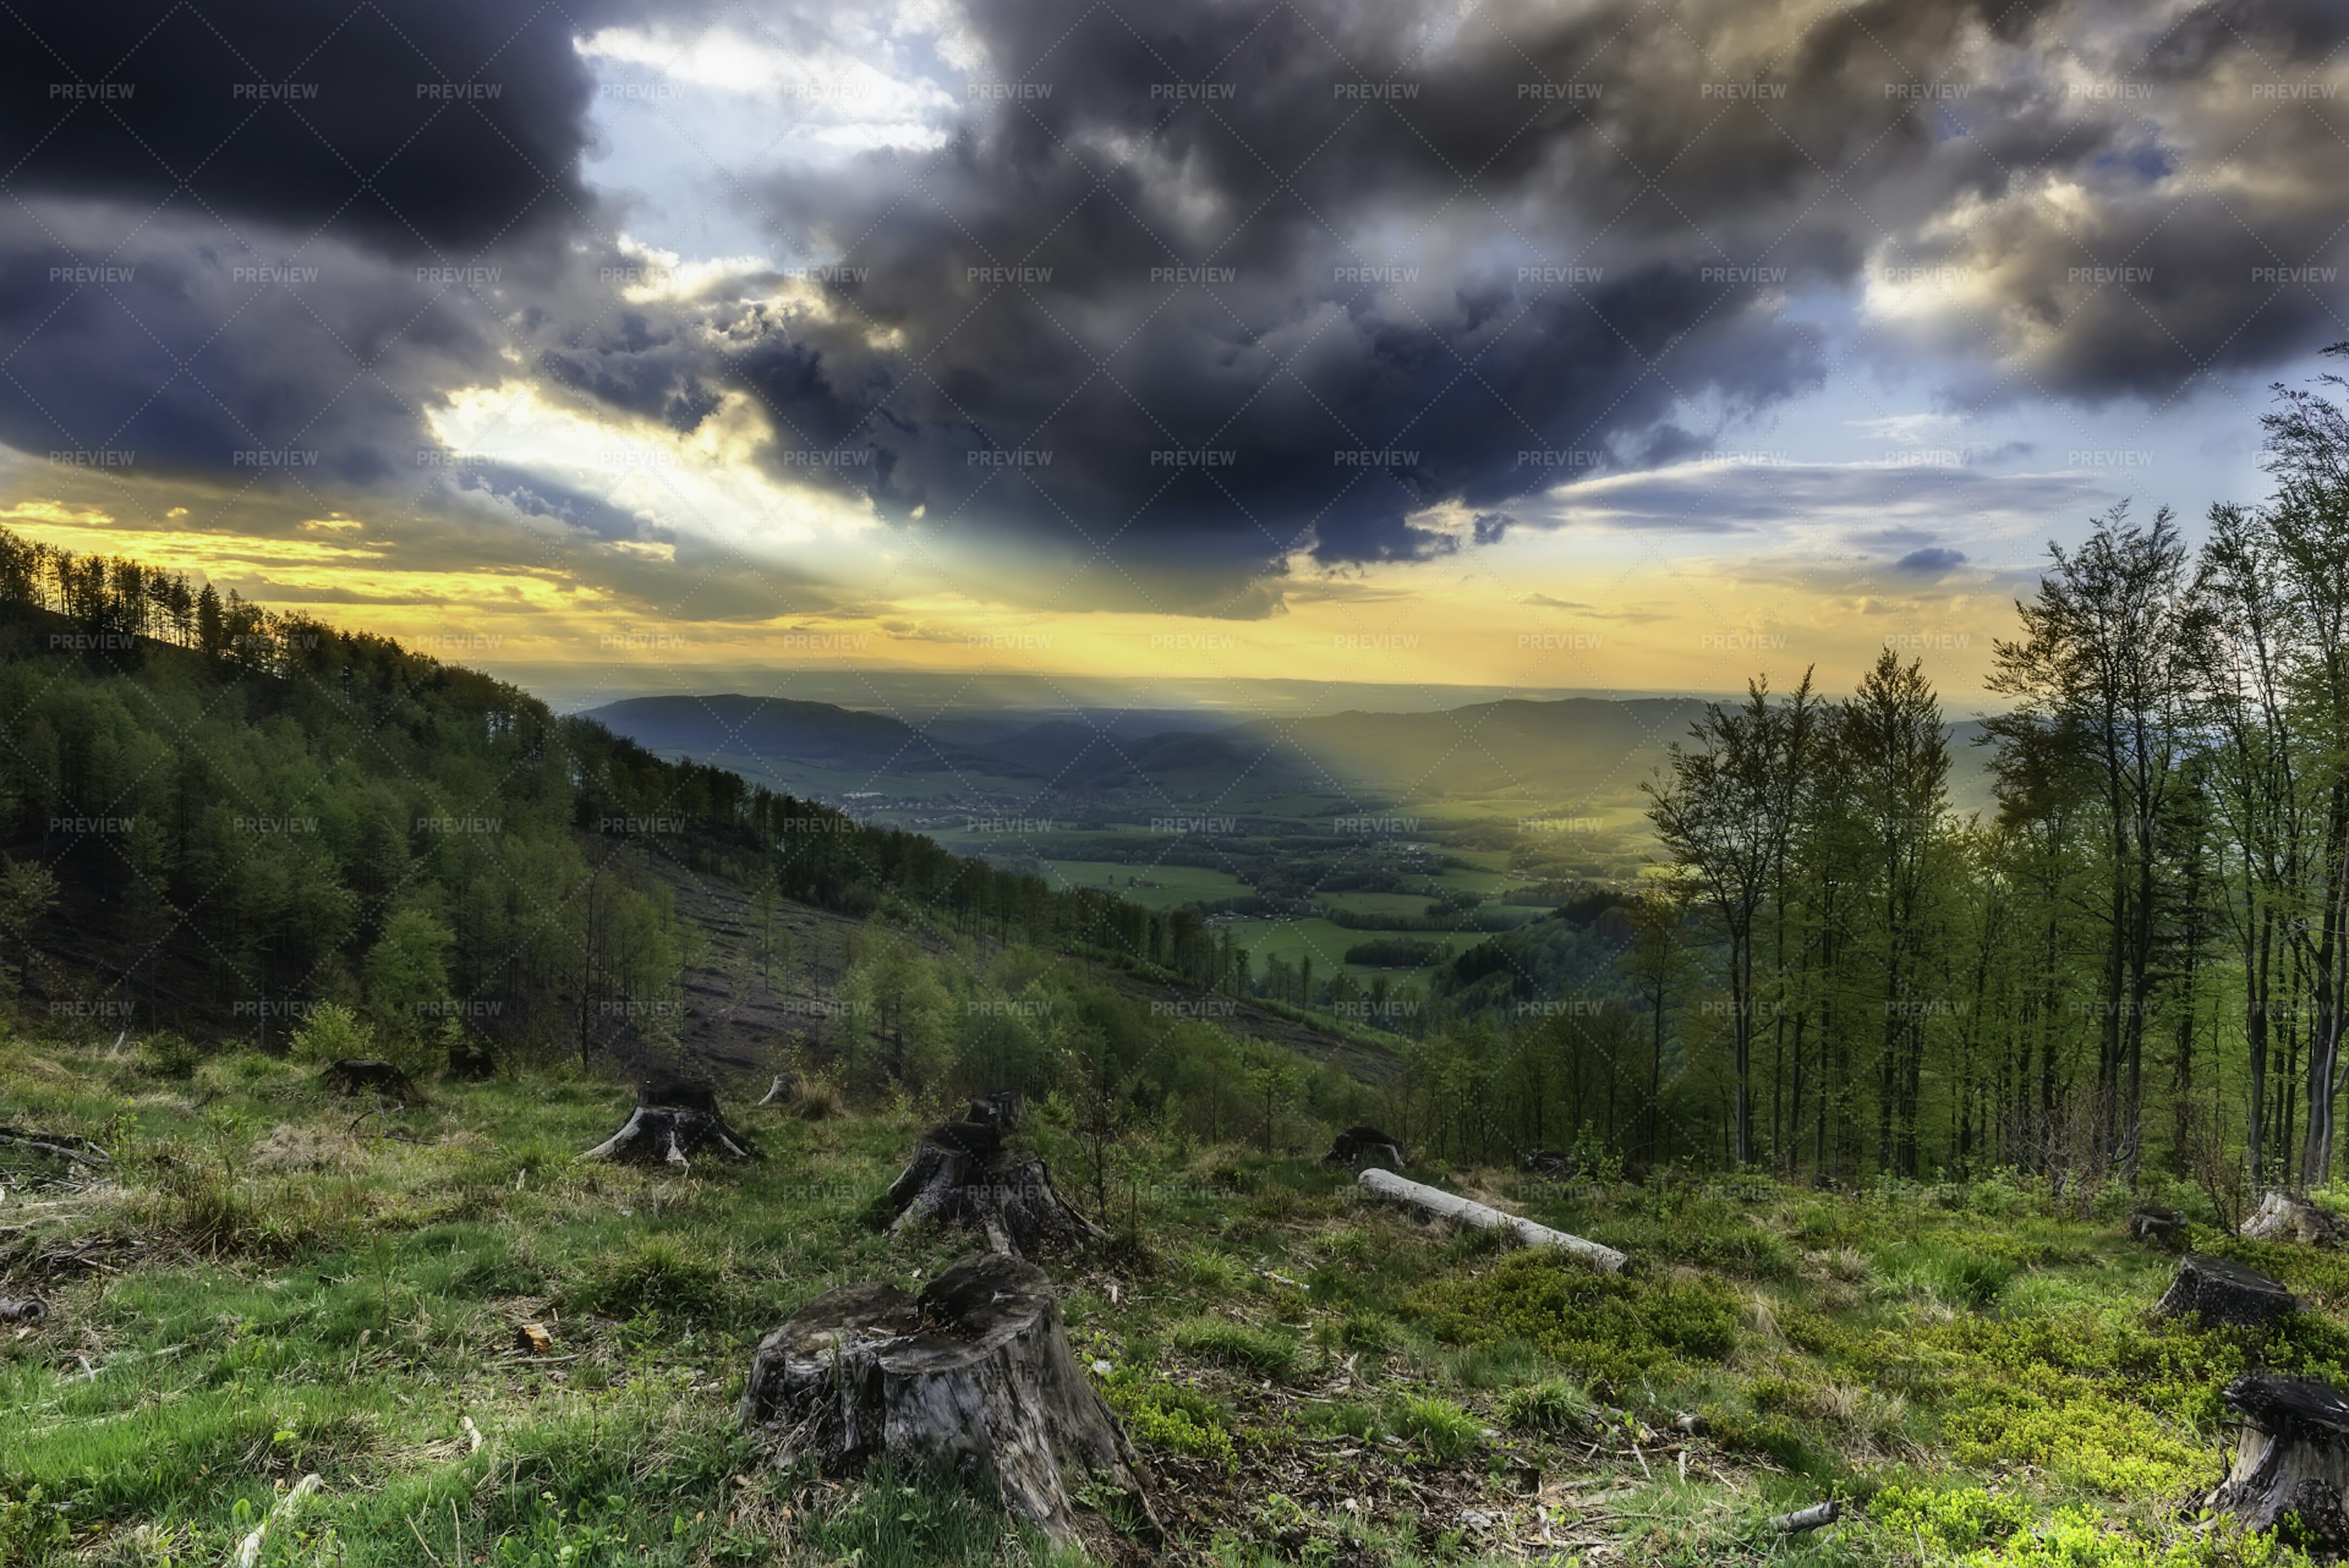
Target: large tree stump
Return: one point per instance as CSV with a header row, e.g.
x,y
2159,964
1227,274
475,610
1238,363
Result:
x,y
2158,1225
671,1123
974,1376
2281,1217
1360,1146
353,1074
2291,1458
961,1173
2219,1291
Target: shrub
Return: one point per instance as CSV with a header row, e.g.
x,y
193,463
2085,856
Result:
x,y
171,1056
1258,1351
32,1532
1604,1325
331,1033
1179,1421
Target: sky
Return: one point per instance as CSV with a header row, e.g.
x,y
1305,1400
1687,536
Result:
x,y
619,348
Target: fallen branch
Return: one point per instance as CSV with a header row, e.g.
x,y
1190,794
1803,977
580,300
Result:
x,y
87,1154
1467,1211
1811,1518
248,1552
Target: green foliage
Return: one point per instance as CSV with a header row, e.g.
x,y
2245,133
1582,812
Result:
x,y
1180,1420
894,1522
171,1056
1261,1352
1438,1427
33,1532
1549,1407
2081,1538
659,1272
1609,1328
331,1033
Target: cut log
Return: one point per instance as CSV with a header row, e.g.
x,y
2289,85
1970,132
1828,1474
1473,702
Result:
x,y
32,1310
1360,1146
1467,1211
2158,1225
2292,1458
2219,1291
353,1075
961,1173
974,1376
1811,1518
2281,1217
671,1123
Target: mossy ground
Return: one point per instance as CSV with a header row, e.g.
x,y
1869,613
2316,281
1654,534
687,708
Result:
x,y
275,1284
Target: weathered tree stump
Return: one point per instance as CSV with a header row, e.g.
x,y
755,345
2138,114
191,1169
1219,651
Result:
x,y
2156,1225
974,1376
671,1123
1003,1110
1360,1146
2292,1458
2219,1291
472,1057
2281,1217
354,1074
1551,1164
962,1173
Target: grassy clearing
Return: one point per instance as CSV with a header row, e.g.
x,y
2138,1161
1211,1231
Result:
x,y
274,1286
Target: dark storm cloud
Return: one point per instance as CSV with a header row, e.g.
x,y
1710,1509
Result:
x,y
1225,281
1194,288
1934,562
430,127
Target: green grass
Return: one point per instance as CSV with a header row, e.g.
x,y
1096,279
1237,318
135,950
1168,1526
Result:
x,y
1976,1371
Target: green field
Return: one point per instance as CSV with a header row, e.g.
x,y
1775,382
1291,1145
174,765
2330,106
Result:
x,y
262,1289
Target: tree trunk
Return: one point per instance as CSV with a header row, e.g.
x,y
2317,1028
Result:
x,y
1467,1211
2291,1458
962,1173
2284,1218
2219,1291
673,1121
975,1375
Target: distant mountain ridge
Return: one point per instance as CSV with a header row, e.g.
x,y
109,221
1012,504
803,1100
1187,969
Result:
x,y
1542,752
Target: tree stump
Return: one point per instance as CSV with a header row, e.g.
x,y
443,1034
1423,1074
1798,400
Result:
x,y
2219,1291
672,1122
2281,1217
1002,1111
2292,1458
1551,1164
2156,1225
353,1074
1360,1146
962,1173
472,1057
974,1376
